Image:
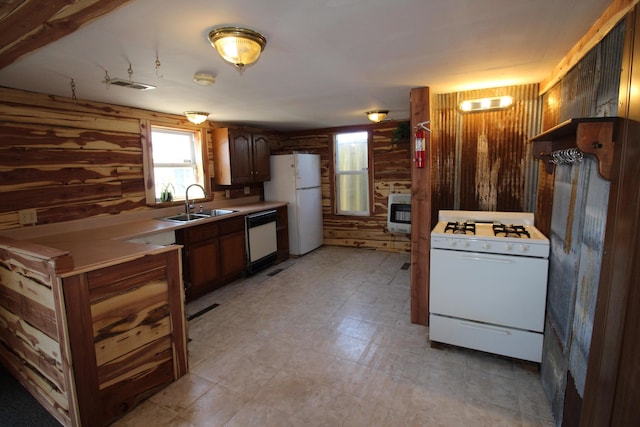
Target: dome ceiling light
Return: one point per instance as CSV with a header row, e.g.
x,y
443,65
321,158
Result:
x,y
238,46
196,117
377,116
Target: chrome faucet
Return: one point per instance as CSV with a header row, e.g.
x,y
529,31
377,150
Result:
x,y
187,205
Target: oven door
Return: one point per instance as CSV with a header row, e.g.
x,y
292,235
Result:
x,y
495,289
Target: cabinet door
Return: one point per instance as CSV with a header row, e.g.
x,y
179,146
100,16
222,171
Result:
x,y
240,157
232,249
204,270
232,258
261,152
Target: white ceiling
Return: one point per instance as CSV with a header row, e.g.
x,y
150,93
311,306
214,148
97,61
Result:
x,y
326,61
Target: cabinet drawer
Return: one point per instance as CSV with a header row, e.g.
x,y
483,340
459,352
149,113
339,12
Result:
x,y
202,232
232,225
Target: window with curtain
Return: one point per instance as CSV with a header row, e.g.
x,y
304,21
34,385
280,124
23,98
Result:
x,y
352,173
176,157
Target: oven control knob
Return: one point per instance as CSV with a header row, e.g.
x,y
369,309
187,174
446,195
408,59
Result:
x,y
452,243
523,248
485,245
507,247
465,244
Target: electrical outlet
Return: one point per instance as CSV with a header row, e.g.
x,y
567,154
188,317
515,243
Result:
x,y
27,216
247,190
227,194
391,188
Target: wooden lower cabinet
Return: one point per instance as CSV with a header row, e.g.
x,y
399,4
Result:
x,y
232,249
213,254
126,333
200,253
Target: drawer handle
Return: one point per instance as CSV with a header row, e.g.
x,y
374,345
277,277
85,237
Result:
x,y
496,260
486,328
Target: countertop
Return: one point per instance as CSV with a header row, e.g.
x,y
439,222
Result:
x,y
94,246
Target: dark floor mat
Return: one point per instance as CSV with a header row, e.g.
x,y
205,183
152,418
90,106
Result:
x,y
203,311
18,407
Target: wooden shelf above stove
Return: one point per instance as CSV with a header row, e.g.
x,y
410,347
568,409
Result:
x,y
593,135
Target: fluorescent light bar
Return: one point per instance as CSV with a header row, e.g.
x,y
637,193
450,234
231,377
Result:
x,y
486,104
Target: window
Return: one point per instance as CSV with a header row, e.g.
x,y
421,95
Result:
x,y
352,173
176,158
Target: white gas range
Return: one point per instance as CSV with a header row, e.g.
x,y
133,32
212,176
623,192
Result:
x,y
488,282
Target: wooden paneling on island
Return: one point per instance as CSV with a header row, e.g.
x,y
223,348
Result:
x,y
90,345
33,331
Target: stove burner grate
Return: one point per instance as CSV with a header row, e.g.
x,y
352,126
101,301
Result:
x,y
460,227
503,230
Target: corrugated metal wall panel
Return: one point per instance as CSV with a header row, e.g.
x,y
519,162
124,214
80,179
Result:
x,y
483,161
579,216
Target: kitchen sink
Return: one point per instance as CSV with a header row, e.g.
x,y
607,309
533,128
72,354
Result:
x,y
197,216
184,217
216,212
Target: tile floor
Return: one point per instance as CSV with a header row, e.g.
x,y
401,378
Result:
x,y
327,341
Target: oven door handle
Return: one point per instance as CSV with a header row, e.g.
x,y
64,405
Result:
x,y
495,329
489,259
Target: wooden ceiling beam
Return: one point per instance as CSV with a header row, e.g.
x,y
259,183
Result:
x,y
31,24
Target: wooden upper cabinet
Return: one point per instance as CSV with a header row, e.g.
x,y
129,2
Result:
x,y
240,156
261,153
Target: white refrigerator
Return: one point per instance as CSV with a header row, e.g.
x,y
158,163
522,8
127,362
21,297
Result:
x,y
295,178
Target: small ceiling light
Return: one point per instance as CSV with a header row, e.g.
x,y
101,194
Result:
x,y
238,46
377,116
486,104
196,117
204,79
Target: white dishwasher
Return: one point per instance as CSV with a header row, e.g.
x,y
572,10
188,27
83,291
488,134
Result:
x,y
262,242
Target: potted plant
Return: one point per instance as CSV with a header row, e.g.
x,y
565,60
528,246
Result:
x,y
167,193
402,132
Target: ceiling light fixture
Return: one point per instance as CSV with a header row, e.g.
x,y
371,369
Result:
x,y
238,46
196,117
486,104
377,116
204,79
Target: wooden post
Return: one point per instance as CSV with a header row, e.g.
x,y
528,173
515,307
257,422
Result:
x,y
420,212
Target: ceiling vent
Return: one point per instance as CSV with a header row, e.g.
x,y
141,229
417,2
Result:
x,y
130,84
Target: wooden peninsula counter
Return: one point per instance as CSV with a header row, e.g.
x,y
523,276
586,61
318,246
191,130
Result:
x,y
91,333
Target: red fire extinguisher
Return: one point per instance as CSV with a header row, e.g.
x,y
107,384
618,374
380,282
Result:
x,y
420,142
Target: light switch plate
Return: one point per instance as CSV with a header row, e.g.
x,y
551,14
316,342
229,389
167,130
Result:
x,y
247,190
27,216
227,194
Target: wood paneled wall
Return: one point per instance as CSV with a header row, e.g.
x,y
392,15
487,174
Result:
x,y
72,160
391,166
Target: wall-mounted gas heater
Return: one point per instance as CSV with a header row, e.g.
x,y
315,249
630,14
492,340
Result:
x,y
399,213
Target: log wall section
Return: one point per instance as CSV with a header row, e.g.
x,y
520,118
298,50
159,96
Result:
x,y
391,167
77,159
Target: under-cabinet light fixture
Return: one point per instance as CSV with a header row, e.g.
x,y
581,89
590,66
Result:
x,y
196,117
377,116
486,104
